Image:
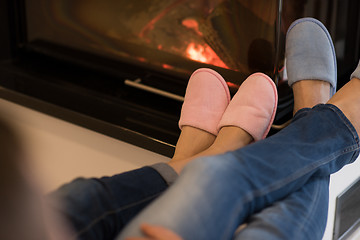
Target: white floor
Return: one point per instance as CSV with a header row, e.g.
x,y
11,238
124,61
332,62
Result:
x,y
60,151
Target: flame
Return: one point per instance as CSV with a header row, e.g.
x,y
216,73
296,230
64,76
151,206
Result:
x,y
196,52
204,54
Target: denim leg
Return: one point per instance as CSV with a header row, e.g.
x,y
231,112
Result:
x,y
98,208
302,215
216,194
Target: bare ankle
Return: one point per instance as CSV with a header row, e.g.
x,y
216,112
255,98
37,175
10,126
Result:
x,y
228,139
231,138
308,93
191,142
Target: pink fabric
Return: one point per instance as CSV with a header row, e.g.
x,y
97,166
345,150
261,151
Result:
x,y
253,107
206,98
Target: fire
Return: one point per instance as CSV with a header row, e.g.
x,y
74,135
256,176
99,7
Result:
x,y
192,24
204,54
196,52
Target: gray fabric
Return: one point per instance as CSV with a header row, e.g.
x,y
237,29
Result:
x,y
167,172
356,73
310,53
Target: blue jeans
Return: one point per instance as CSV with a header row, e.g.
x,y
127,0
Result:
x,y
302,215
92,220
214,195
99,208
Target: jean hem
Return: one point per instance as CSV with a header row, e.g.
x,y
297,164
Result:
x,y
345,120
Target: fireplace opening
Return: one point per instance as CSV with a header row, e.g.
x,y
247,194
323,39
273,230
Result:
x,y
166,35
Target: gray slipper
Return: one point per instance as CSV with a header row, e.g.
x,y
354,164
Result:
x,y
356,73
310,53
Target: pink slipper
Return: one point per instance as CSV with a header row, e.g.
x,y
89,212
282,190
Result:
x,y
253,107
207,96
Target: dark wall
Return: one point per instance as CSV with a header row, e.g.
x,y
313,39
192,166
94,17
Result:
x,y
5,46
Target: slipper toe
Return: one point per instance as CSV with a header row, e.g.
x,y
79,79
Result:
x,y
253,107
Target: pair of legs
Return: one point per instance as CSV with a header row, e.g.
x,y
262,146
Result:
x,y
278,185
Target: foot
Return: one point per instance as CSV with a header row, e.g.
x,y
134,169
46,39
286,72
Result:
x,y
310,63
308,93
206,98
253,107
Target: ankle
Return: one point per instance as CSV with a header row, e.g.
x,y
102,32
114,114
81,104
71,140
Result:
x,y
191,142
230,138
178,165
308,93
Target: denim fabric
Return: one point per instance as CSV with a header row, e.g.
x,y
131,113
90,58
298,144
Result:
x,y
302,215
100,208
214,195
167,172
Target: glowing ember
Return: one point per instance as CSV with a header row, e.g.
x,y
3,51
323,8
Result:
x,y
192,24
167,66
232,85
141,59
203,53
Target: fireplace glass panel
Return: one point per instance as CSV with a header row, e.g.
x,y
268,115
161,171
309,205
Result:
x,y
236,35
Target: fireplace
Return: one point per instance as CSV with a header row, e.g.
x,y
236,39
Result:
x,y
121,67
